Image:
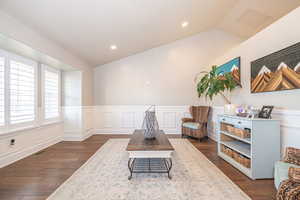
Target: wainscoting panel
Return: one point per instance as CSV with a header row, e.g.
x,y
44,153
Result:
x,y
107,119
78,122
128,120
120,119
124,119
169,120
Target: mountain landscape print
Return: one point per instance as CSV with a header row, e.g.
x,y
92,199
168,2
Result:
x,y
233,67
277,71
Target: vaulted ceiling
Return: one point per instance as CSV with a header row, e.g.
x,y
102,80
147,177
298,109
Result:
x,y
88,28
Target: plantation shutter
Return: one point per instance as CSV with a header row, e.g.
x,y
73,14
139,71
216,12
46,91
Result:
x,y
2,66
51,93
22,92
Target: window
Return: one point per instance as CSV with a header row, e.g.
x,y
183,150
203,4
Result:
x,y
2,64
19,93
51,90
22,91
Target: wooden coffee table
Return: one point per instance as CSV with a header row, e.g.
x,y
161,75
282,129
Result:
x,y
149,156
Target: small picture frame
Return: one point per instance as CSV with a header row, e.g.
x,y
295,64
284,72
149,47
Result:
x,y
265,112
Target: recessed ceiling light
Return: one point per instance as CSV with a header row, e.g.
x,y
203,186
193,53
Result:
x,y
113,47
184,24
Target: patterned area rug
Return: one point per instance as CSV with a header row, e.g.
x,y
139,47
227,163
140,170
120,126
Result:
x,y
104,176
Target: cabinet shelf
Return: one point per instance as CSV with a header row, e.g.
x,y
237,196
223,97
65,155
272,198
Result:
x,y
237,165
240,147
246,140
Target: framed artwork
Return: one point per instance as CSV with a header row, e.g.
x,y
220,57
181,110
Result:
x,y
277,71
233,66
265,112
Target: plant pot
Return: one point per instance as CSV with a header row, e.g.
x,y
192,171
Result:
x,y
229,109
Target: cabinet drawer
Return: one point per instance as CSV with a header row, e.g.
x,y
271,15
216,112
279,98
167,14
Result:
x,y
236,122
227,120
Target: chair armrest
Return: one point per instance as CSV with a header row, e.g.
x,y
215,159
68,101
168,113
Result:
x,y
292,155
294,174
187,120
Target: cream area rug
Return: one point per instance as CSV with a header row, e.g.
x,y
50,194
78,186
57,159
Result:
x,y
105,176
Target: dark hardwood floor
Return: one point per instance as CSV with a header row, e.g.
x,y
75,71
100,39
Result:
x,y
37,176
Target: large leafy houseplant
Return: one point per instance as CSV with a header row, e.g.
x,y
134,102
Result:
x,y
213,84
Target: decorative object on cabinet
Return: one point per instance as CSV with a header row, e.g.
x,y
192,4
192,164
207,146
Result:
x,y
277,71
197,125
253,113
247,111
233,67
250,145
211,84
265,112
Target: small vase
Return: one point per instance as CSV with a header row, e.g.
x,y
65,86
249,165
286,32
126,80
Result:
x,y
229,109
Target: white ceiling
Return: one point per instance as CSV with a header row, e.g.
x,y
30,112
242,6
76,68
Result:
x,y
88,28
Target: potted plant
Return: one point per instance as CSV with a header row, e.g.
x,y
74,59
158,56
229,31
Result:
x,y
213,84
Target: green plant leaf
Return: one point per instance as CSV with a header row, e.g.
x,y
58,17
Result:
x,y
211,84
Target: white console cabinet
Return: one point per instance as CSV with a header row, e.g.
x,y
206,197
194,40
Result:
x,y
259,150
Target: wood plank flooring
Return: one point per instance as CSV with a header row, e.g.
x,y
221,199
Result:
x,y
37,176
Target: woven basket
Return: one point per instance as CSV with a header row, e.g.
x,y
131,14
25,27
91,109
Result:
x,y
224,127
246,162
242,133
226,150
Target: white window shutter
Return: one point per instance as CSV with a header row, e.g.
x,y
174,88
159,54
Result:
x,y
22,89
51,93
2,100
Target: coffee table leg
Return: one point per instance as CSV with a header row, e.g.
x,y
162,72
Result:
x,y
130,167
168,164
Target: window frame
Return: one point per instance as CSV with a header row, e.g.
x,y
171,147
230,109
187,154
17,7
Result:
x,y
4,55
45,68
17,58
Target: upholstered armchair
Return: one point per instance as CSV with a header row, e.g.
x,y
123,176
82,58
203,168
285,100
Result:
x,y
287,175
197,125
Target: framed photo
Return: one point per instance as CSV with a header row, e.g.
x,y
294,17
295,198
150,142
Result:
x,y
265,112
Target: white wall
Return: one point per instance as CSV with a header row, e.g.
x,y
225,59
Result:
x,y
163,75
71,88
78,120
281,34
14,29
33,140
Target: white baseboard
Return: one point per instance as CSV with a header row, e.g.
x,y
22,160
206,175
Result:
x,y
89,134
18,155
76,136
125,132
